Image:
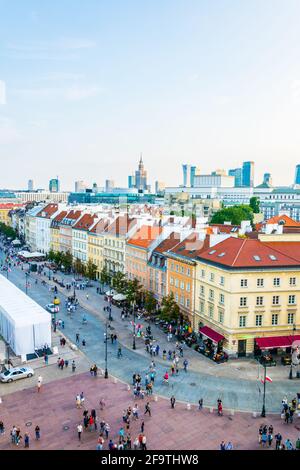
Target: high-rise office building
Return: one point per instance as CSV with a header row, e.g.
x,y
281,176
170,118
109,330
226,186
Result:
x,y
30,185
139,179
237,173
189,173
131,181
248,174
268,179
54,185
297,175
159,187
109,185
80,186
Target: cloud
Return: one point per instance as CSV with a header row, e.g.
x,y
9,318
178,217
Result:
x,y
62,44
2,92
77,93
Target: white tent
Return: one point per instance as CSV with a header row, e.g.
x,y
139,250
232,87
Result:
x,y
110,293
24,324
119,297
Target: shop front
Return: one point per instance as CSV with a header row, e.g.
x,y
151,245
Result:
x,y
274,349
212,344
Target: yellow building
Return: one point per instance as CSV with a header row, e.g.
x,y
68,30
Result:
x,y
95,244
247,289
5,209
55,231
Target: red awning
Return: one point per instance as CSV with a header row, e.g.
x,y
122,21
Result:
x,y
271,342
211,334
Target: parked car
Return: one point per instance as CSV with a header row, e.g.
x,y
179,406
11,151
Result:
x,y
16,373
52,308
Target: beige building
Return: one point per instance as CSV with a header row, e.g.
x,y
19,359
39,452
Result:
x,y
247,289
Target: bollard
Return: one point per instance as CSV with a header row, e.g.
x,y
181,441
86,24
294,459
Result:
x,y
232,412
156,398
211,410
188,406
254,414
115,380
0,400
128,388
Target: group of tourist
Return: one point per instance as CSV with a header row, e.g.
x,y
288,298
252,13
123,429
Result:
x,y
266,437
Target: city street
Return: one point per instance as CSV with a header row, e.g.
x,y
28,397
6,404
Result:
x,y
237,393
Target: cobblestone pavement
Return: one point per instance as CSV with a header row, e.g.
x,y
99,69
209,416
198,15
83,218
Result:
x,y
54,410
235,382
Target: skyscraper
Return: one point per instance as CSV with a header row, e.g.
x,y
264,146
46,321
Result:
x,y
297,175
248,174
139,179
131,181
237,173
30,185
189,173
109,185
267,179
80,186
54,185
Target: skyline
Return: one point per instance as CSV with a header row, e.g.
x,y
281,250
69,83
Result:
x,y
194,82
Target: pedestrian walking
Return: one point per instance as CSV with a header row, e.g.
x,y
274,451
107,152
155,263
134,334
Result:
x,y
2,429
147,409
185,365
77,338
278,439
37,432
172,400
26,440
73,366
79,431
39,384
142,426
200,403
46,359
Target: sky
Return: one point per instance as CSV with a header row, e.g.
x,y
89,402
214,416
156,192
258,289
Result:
x,y
85,87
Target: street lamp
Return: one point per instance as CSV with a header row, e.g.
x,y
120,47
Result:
x,y
263,411
133,342
291,368
26,281
106,371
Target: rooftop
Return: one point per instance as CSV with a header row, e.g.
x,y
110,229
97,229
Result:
x,y
145,235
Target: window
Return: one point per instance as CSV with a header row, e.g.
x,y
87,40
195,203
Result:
x,y
202,273
222,280
243,301
244,282
292,299
182,285
176,282
202,290
211,311
290,319
275,300
258,320
292,281
182,269
260,282
242,321
176,268
221,317
259,300
274,318
176,297
212,277
187,303
276,281
181,300
188,271
188,287
222,299
211,294
202,307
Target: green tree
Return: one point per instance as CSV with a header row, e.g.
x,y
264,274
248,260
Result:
x,y
7,231
234,214
133,291
51,255
91,270
119,282
79,267
254,204
67,261
169,308
150,302
104,277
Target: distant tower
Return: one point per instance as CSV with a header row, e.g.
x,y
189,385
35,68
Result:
x,y
248,174
267,179
297,175
54,185
30,185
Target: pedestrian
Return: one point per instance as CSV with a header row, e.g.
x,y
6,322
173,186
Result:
x,y
142,426
46,359
79,431
229,446
37,432
185,365
73,366
200,402
172,400
83,342
222,446
148,409
102,404
26,440
297,445
87,296
220,409
119,352
106,430
270,439
2,429
39,384
66,363
77,338
278,439
144,442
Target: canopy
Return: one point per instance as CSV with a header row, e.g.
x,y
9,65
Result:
x,y
110,293
271,342
24,324
16,242
119,297
28,255
211,334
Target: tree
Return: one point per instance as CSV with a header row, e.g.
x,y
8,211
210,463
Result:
x,y
150,302
254,204
91,270
104,276
169,308
133,291
119,282
9,232
234,214
67,261
79,267
51,255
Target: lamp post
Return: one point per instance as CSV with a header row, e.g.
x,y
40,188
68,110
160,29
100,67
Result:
x,y
263,411
26,281
106,371
133,342
291,368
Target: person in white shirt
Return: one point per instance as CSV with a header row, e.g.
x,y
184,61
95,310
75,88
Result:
x,y
79,431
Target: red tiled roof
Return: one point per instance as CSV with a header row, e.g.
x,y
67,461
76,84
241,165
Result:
x,y
291,249
288,221
99,226
224,228
47,211
239,253
191,246
85,222
121,225
168,243
145,235
10,205
60,216
73,215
